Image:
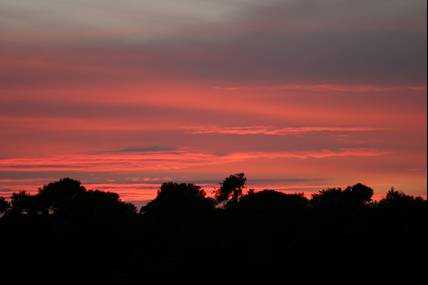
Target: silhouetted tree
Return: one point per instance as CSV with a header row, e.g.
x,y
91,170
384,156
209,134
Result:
x,y
24,203
356,196
327,198
68,198
99,205
359,194
179,198
266,230
4,205
231,188
272,201
59,196
397,200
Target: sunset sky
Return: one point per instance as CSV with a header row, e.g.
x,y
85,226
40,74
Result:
x,y
298,94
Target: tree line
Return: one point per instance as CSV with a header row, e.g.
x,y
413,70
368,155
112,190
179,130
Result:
x,y
66,230
69,198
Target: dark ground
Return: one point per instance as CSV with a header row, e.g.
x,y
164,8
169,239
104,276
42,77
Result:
x,y
272,236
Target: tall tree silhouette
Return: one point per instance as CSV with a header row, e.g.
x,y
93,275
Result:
x,y
231,188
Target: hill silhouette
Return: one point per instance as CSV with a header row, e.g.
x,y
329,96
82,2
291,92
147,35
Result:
x,y
68,234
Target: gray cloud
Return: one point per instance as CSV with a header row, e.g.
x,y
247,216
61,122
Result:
x,y
287,41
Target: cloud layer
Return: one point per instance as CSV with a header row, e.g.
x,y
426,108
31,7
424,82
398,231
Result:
x,y
109,91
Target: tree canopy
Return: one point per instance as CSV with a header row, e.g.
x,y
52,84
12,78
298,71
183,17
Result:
x,y
70,199
175,198
67,230
231,188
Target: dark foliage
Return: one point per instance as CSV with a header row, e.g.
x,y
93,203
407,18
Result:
x,y
68,234
353,197
230,190
179,199
68,199
4,205
398,201
270,201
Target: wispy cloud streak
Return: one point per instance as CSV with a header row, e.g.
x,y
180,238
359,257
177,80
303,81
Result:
x,y
273,131
168,160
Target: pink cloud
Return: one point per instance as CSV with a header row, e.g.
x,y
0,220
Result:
x,y
273,131
166,160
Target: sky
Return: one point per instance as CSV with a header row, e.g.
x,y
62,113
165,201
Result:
x,y
300,95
